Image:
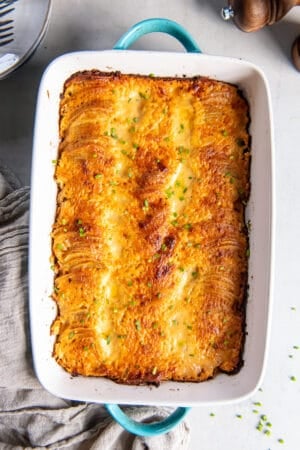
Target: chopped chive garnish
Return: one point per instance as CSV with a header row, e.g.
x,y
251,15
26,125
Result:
x,y
163,247
98,175
143,95
293,378
135,119
187,226
108,340
281,441
146,203
113,133
239,416
71,334
224,132
81,232
137,324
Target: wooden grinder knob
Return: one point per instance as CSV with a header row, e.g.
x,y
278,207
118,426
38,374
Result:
x,y
296,53
251,15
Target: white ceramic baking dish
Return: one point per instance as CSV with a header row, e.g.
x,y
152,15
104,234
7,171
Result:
x,y
250,79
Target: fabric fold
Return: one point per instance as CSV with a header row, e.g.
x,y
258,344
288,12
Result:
x,y
30,417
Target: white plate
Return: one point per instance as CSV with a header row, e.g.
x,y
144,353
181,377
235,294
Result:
x,y
30,20
222,388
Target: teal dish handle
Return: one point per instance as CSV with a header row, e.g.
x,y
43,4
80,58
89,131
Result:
x,y
138,30
146,429
157,25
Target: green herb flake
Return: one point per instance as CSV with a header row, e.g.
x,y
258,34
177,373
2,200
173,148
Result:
x,y
293,378
86,348
169,192
181,269
195,274
146,204
81,232
60,247
248,252
182,150
268,424
281,441
187,226
163,247
212,414
54,161
174,223
136,146
113,133
257,403
137,324
224,133
149,285
263,417
129,283
296,347
293,308
254,411
260,426
239,416
71,335
267,432
97,176
154,325
108,340
143,95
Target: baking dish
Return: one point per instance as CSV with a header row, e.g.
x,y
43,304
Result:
x,y
250,79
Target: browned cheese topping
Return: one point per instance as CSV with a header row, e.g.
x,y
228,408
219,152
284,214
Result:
x,y
150,245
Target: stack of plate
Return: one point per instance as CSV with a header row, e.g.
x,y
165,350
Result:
x,y
29,20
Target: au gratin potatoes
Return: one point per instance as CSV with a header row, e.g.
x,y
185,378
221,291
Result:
x,y
150,245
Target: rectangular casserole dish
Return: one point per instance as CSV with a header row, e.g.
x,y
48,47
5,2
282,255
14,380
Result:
x,y
222,388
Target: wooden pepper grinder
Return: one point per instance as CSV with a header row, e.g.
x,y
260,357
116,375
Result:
x,y
251,15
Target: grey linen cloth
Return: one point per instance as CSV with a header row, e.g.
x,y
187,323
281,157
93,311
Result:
x,y
30,417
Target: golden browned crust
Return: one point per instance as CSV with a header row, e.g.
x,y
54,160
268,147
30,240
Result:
x,y
149,241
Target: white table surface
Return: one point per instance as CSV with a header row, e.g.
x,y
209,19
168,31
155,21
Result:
x,y
96,24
